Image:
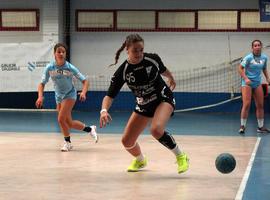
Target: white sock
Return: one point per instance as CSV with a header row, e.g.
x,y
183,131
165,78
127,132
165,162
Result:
x,y
140,157
243,122
260,122
176,150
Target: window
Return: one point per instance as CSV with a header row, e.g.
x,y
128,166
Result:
x,y
176,19
252,20
136,20
170,20
217,20
95,20
19,20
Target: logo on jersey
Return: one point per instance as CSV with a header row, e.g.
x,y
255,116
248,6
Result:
x,y
257,61
148,70
244,61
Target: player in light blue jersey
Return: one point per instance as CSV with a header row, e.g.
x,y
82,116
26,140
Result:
x,y
250,70
62,72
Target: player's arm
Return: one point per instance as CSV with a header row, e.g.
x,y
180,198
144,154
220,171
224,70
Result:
x,y
85,83
164,71
85,86
105,117
41,86
169,76
265,72
39,101
242,70
117,82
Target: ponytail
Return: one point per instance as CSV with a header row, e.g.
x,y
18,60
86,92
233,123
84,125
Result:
x,y
117,54
130,39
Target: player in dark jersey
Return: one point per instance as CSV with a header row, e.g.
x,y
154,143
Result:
x,y
154,101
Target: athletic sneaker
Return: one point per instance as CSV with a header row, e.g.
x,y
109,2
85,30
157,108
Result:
x,y
262,130
137,165
242,129
183,162
93,133
66,147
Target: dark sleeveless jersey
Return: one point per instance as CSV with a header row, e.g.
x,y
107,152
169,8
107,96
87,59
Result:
x,y
143,79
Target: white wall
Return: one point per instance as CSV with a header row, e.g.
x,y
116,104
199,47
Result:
x,y
49,21
93,52
19,48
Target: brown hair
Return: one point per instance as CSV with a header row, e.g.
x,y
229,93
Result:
x,y
252,43
59,45
130,39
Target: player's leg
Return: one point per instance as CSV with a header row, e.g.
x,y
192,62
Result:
x,y
259,99
161,117
135,125
246,102
78,125
64,109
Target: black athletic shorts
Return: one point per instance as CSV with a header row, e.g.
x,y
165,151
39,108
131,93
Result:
x,y
149,109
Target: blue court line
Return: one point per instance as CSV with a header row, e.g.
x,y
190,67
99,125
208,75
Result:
x,y
241,189
258,185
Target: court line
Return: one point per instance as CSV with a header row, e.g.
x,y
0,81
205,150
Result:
x,y
243,184
27,109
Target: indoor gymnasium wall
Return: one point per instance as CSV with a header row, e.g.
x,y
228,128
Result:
x,y
19,48
93,51
49,21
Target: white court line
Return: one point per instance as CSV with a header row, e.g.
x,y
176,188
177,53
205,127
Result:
x,y
30,110
243,184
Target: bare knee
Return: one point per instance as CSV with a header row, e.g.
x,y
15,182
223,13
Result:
x,y
61,119
259,106
69,123
127,142
156,131
64,121
246,106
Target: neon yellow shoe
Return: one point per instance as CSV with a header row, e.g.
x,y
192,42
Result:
x,y
183,162
136,165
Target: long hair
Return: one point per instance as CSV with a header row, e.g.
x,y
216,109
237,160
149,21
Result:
x,y
130,39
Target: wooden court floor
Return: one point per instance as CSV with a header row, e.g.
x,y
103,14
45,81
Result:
x,y
33,168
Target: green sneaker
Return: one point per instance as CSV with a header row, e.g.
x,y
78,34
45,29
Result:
x,y
183,162
137,165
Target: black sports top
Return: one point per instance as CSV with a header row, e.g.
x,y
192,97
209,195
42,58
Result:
x,y
143,79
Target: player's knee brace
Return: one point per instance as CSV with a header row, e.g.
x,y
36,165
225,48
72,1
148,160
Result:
x,y
131,147
167,140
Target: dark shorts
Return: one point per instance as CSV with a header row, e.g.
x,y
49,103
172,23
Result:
x,y
148,110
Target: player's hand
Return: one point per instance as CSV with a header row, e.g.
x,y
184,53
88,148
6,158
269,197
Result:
x,y
104,119
171,84
82,96
39,102
247,81
268,81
